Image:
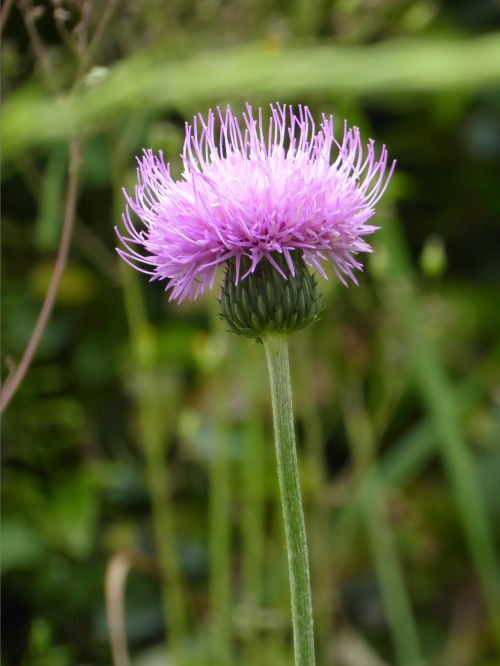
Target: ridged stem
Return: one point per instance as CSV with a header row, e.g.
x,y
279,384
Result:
x,y
276,347
318,517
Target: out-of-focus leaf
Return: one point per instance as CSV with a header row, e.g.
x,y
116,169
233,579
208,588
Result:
x,y
21,545
148,81
70,515
49,222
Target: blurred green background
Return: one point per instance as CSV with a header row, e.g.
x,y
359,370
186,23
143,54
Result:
x,y
138,452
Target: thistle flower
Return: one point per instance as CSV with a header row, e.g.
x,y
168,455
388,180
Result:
x,y
252,192
268,202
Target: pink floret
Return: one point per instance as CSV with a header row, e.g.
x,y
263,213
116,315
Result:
x,y
254,188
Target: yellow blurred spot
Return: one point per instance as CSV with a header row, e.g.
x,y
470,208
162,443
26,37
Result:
x,y
77,284
433,260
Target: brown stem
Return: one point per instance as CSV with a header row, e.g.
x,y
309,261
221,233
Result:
x,y
98,33
6,7
16,377
41,53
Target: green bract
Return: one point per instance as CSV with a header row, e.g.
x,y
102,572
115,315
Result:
x,y
265,301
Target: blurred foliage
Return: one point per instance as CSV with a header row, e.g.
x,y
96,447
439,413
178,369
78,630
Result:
x,y
132,399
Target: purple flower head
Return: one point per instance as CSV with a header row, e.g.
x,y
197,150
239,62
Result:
x,y
255,189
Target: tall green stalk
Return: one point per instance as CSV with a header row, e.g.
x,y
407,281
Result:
x,y
276,347
219,509
253,470
384,550
318,516
437,393
220,542
152,416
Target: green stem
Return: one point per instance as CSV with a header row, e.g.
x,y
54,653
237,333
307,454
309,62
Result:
x,y
390,574
276,347
219,512
220,544
164,532
436,390
318,520
384,549
152,418
253,470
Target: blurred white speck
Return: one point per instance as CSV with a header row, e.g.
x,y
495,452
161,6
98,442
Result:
x,y
96,76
